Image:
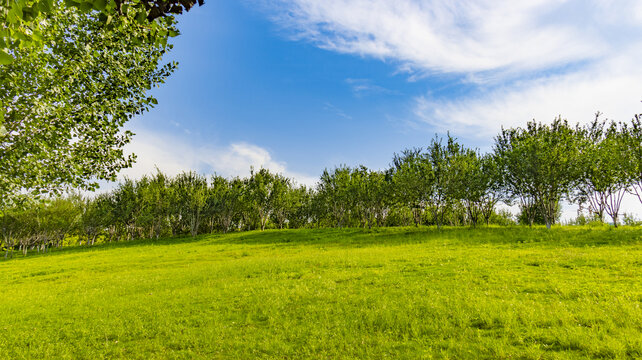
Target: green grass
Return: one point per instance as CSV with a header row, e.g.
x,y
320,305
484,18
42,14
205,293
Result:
x,y
513,293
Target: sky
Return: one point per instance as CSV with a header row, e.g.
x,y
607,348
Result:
x,y
298,86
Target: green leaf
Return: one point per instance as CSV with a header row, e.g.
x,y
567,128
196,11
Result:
x,y
173,33
85,6
46,6
27,14
99,4
37,36
15,14
5,59
141,17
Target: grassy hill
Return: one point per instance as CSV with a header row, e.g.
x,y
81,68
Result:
x,y
387,293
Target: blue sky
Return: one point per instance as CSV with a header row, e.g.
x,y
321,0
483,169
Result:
x,y
241,79
301,85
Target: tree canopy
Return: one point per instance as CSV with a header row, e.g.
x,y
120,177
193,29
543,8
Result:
x,y
63,105
21,21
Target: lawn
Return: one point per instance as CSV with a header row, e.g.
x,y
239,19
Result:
x,y
513,293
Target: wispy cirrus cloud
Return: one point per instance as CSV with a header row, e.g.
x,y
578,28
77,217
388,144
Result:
x,y
462,36
336,111
365,87
519,59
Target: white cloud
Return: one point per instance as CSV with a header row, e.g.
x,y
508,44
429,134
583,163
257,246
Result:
x,y
172,155
463,36
612,86
520,59
637,12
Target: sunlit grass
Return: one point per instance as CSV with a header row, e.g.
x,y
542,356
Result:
x,y
387,293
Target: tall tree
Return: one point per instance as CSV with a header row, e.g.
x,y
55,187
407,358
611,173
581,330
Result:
x,y
262,188
470,183
539,165
231,201
492,180
190,195
334,195
605,167
413,180
284,198
633,139
155,197
441,157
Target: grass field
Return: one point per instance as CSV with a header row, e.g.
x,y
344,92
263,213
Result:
x,y
512,293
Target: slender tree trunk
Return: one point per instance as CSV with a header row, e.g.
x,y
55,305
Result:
x,y
9,245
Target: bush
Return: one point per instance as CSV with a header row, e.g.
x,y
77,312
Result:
x,y
502,217
630,220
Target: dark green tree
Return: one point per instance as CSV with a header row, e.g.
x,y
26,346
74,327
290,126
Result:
x,y
539,165
413,181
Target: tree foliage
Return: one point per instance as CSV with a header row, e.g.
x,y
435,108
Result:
x,y
634,154
539,165
605,171
62,106
23,22
444,184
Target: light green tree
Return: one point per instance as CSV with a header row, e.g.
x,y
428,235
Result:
x,y
63,105
21,21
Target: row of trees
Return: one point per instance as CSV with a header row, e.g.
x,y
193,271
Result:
x,y
593,165
446,183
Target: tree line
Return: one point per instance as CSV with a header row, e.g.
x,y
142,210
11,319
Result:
x,y
445,183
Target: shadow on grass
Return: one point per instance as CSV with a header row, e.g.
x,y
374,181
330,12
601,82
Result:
x,y
516,236
73,249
